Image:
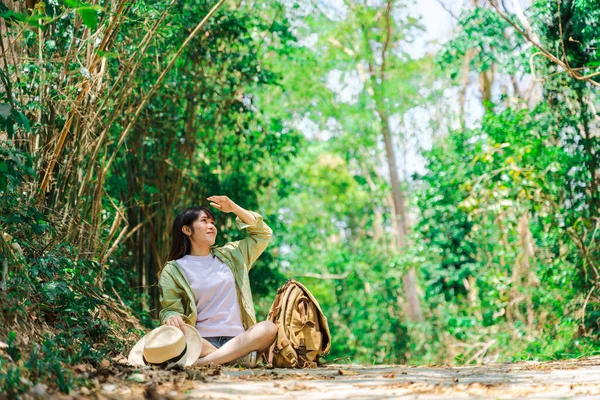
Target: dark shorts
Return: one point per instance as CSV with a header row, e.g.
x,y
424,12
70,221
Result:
x,y
218,341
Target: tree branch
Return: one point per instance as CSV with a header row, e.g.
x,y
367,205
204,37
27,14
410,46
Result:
x,y
325,276
531,38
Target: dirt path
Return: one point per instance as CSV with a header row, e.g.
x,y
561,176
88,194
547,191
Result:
x,y
570,379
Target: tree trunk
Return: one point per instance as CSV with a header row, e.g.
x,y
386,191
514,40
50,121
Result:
x,y
410,279
397,194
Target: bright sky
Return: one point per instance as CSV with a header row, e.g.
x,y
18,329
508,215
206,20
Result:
x,y
437,22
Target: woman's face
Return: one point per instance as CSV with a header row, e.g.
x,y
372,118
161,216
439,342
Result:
x,y
205,231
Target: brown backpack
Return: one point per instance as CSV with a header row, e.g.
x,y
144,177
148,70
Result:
x,y
302,331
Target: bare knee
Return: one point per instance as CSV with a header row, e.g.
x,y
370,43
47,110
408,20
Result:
x,y
270,329
266,331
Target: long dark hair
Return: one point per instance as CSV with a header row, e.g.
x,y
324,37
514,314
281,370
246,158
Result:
x,y
181,245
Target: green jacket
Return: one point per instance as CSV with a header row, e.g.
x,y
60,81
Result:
x,y
176,297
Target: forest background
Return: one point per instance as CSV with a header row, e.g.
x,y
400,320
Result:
x,y
439,199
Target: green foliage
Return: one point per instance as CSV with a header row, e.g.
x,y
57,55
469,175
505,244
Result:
x,y
88,12
15,168
507,210
45,363
50,286
570,27
482,39
9,116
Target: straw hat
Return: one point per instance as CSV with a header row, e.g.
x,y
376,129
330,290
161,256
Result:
x,y
167,345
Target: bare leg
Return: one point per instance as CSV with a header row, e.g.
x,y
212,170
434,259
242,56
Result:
x,y
257,338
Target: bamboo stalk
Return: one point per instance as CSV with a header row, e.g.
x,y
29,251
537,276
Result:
x,y
113,26
136,57
42,75
158,83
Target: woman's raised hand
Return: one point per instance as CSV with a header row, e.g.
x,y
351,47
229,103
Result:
x,y
177,322
222,203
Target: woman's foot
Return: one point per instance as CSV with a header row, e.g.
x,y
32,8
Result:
x,y
201,362
250,360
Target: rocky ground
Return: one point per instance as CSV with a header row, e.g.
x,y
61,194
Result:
x,y
578,379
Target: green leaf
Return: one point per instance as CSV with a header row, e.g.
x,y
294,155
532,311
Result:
x,y
107,54
89,16
5,111
11,16
37,20
74,3
9,128
22,120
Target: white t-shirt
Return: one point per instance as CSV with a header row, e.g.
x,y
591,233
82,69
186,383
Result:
x,y
213,286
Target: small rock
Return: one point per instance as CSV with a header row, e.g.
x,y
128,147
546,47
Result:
x,y
109,388
140,378
39,391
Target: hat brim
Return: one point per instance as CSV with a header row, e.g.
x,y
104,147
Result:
x,y
192,339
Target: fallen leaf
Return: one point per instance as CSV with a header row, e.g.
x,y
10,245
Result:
x,y
213,372
346,372
81,368
105,363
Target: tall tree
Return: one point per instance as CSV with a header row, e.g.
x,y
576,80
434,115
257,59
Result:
x,y
372,40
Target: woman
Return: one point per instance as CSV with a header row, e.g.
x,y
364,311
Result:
x,y
207,286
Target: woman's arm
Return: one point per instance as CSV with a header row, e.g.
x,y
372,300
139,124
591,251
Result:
x,y
259,233
172,310
227,205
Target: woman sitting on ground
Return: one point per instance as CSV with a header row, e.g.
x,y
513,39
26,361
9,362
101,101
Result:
x,y
208,287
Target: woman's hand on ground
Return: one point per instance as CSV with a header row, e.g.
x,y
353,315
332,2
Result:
x,y
177,322
222,203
